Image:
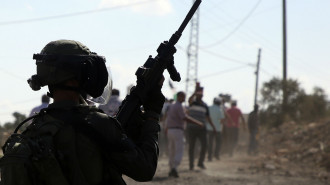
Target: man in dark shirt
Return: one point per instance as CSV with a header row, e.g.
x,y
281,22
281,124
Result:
x,y
199,111
253,125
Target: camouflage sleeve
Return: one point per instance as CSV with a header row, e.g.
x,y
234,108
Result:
x,y
134,153
139,160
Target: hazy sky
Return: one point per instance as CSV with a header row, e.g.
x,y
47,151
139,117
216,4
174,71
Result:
x,y
126,32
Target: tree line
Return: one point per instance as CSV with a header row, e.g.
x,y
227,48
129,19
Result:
x,y
301,106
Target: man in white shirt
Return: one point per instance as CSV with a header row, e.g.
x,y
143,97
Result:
x,y
44,104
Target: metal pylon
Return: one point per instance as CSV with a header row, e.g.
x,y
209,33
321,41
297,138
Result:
x,y
192,53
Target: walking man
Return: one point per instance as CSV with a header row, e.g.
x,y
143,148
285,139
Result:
x,y
253,124
175,132
217,116
199,111
112,107
44,104
233,122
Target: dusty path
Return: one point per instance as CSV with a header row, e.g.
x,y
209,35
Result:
x,y
238,170
264,169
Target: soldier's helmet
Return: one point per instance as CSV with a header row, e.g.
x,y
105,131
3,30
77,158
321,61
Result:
x,y
62,60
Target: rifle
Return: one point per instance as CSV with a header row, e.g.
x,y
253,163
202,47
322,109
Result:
x,y
151,72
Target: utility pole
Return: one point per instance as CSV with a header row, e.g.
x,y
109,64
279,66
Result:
x,y
192,53
285,91
257,78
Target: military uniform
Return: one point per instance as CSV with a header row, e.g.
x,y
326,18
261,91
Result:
x,y
91,147
101,152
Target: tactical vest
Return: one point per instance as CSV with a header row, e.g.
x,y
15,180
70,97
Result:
x,y
52,151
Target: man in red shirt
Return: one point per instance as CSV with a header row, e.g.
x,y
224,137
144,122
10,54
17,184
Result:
x,y
234,116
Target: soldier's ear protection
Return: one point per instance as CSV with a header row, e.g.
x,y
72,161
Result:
x,y
90,71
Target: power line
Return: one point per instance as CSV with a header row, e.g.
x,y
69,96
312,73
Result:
x,y
226,58
12,74
272,47
254,36
235,29
220,56
72,14
216,18
248,37
223,72
266,72
215,5
235,20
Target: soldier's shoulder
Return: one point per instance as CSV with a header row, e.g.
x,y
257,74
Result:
x,y
99,114
101,121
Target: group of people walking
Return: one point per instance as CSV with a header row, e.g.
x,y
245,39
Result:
x,y
207,124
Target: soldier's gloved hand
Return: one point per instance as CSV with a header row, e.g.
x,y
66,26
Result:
x,y
155,100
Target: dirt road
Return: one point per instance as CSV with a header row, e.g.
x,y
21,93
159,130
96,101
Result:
x,y
265,169
238,170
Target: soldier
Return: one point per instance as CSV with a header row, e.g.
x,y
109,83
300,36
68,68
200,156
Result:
x,y
92,147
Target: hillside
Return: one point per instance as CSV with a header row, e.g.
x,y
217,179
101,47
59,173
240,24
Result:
x,y
305,145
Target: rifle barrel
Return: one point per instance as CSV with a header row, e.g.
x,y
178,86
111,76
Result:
x,y
189,16
176,36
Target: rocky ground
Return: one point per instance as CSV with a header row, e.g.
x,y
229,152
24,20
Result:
x,y
294,154
238,170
